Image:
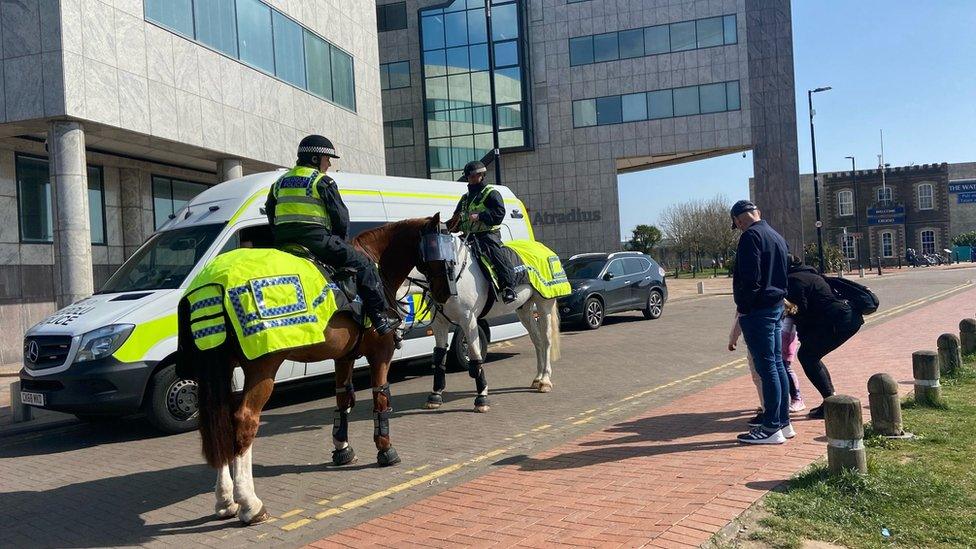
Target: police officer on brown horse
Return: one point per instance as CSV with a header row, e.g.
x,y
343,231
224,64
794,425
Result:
x,y
479,215
304,208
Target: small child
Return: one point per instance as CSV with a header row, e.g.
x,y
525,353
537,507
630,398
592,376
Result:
x,y
790,346
733,342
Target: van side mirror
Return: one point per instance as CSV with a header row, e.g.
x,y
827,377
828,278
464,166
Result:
x,y
608,276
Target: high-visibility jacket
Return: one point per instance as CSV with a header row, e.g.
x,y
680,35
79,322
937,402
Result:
x,y
475,205
298,200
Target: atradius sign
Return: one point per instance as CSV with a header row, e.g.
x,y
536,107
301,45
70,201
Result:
x,y
575,215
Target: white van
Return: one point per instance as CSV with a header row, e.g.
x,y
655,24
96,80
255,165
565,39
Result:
x,y
113,353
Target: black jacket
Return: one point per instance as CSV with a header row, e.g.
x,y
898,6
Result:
x,y
759,277
495,212
329,191
819,309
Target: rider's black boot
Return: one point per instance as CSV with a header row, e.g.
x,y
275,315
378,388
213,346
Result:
x,y
385,322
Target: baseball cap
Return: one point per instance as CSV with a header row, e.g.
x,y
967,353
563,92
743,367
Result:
x,y
740,208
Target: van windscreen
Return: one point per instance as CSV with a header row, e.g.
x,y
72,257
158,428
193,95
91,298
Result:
x,y
164,261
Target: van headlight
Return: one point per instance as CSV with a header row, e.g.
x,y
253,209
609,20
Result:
x,y
102,342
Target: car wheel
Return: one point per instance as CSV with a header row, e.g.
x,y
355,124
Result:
x,y
654,306
172,405
457,356
592,313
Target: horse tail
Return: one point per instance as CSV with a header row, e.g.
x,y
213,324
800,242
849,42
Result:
x,y
212,369
554,333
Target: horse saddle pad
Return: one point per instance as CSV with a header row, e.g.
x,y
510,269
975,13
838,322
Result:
x,y
272,299
535,264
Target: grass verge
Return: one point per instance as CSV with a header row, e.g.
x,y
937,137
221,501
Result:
x,y
918,493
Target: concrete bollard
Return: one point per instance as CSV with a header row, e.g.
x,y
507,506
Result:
x,y
860,272
950,354
845,434
885,405
19,412
701,288
967,335
925,368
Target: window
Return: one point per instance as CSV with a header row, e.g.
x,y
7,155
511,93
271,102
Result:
x,y
164,261
616,268
395,75
657,104
209,17
849,246
254,35
635,265
845,203
926,194
884,195
681,36
96,204
398,133
927,239
265,39
34,201
170,196
458,112
887,245
391,17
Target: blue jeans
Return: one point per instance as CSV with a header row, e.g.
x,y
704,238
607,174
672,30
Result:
x,y
762,331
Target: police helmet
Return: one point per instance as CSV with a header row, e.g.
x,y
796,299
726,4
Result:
x,y
314,146
474,167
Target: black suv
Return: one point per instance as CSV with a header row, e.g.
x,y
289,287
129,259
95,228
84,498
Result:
x,y
611,283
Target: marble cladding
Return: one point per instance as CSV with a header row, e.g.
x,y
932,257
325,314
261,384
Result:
x,y
574,169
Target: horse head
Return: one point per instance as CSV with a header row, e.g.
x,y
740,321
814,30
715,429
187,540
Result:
x,y
437,253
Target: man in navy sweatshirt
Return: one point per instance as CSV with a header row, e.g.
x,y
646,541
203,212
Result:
x,y
759,286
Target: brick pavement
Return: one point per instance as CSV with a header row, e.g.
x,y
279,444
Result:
x,y
670,477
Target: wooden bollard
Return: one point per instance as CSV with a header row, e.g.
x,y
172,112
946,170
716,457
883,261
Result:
x,y
967,335
925,368
950,354
845,434
885,405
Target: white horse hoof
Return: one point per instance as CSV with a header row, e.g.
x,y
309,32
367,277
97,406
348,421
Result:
x,y
545,387
482,409
227,512
255,518
536,383
432,405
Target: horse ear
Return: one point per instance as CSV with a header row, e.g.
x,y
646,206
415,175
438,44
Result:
x,y
437,218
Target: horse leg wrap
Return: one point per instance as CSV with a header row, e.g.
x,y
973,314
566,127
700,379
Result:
x,y
381,424
481,383
343,454
440,369
474,368
351,395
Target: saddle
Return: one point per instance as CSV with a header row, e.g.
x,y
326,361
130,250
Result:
x,y
343,279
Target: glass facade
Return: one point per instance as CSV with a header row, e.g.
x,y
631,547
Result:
x,y
395,75
398,133
34,206
615,109
263,38
391,17
681,36
170,196
457,95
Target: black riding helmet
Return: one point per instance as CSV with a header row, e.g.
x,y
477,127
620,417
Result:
x,y
474,167
314,146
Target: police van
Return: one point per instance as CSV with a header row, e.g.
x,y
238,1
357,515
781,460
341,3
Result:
x,y
112,354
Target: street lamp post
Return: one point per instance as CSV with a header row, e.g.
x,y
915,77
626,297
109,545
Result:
x,y
816,183
857,226
497,157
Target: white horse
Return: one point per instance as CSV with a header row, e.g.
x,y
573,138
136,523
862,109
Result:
x,y
539,315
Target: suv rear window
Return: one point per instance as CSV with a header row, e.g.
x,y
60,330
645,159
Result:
x,y
635,265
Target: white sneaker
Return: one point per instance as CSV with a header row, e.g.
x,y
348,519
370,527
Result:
x,y
797,405
758,436
788,431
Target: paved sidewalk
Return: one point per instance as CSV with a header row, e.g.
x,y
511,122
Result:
x,y
670,477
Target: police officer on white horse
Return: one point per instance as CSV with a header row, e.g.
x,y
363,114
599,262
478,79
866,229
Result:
x,y
478,215
304,208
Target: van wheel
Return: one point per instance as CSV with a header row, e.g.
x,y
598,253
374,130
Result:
x,y
172,403
457,358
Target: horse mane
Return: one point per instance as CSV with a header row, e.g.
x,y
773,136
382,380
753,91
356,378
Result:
x,y
395,262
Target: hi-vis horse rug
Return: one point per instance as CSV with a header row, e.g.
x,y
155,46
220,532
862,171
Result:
x,y
535,264
272,299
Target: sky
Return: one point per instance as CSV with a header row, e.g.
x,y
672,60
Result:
x,y
903,66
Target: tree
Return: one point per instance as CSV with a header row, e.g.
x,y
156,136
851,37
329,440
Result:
x,y
965,239
701,228
832,257
644,238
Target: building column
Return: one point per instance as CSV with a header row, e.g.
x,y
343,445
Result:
x,y
230,168
131,199
72,233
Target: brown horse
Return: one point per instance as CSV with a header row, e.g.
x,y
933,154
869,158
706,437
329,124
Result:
x,y
228,425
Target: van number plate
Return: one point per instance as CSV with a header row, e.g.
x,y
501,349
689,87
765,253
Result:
x,y
34,399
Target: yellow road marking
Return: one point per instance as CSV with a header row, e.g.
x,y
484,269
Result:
x,y
296,524
541,428
416,469
519,435
291,513
584,420
589,411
